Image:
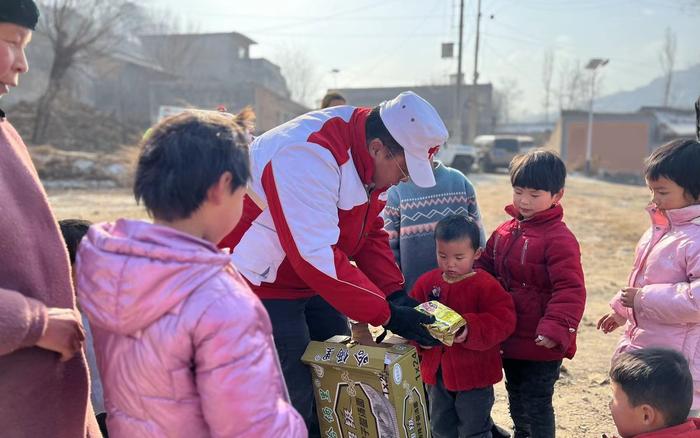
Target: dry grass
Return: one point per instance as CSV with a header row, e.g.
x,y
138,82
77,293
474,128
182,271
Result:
x,y
608,219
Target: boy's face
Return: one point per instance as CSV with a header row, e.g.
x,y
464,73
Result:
x,y
529,202
13,61
631,420
456,258
667,195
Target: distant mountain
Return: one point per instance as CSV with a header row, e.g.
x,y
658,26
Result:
x,y
685,89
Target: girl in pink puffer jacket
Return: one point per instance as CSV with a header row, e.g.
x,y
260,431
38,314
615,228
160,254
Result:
x,y
183,345
661,305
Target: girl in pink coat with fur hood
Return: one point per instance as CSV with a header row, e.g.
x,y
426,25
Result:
x,y
661,305
183,345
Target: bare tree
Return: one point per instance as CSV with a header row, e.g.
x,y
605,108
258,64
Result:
x,y
667,57
574,87
76,29
300,73
506,98
547,76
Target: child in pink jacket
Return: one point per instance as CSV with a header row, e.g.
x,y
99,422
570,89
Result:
x,y
183,346
661,305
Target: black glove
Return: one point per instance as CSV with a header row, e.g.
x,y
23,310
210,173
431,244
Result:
x,y
401,298
407,322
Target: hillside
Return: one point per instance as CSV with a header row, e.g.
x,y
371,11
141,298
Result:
x,y
685,89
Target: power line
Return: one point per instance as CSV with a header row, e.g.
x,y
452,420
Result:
x,y
395,49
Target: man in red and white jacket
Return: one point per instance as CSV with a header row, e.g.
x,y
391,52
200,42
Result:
x,y
318,186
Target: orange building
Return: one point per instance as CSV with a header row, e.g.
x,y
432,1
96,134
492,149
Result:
x,y
620,141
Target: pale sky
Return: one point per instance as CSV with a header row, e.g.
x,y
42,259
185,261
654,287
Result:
x,y
397,42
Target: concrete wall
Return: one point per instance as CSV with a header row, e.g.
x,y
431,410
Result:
x,y
619,146
272,109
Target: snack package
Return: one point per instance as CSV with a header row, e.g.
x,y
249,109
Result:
x,y
447,321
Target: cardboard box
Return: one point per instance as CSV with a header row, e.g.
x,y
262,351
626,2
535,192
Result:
x,y
367,391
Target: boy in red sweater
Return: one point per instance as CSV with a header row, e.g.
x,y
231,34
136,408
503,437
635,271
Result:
x,y
652,393
537,259
460,378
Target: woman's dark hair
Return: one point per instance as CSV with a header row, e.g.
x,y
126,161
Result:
x,y
679,161
330,97
539,170
375,128
73,231
184,155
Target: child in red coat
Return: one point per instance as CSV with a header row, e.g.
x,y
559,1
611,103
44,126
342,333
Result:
x,y
537,259
460,377
652,390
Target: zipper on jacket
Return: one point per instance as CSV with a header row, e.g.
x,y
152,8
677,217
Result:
x,y
501,271
364,221
522,256
495,245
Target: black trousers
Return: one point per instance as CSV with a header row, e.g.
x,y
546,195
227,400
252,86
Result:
x,y
294,324
461,414
530,386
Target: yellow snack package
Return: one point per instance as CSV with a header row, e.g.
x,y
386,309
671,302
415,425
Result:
x,y
447,321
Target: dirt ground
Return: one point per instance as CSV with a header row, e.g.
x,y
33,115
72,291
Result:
x,y
608,219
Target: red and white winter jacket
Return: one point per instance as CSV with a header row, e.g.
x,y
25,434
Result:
x,y
311,211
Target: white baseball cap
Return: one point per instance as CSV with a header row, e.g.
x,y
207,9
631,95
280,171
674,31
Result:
x,y
418,129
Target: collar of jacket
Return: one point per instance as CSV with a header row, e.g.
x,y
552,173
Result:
x,y
358,145
679,216
555,213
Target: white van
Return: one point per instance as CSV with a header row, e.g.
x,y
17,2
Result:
x,y
460,156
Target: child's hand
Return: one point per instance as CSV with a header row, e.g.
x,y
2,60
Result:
x,y
608,323
627,296
462,335
545,342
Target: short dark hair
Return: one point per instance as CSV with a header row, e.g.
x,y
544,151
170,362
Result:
x,y
330,97
73,231
375,128
539,170
185,155
458,227
679,161
659,377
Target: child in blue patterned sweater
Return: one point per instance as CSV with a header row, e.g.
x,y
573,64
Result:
x,y
412,212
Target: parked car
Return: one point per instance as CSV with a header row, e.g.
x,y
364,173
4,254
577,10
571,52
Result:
x,y
460,156
525,143
495,151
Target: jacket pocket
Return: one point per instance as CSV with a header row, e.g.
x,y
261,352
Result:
x,y
528,310
259,254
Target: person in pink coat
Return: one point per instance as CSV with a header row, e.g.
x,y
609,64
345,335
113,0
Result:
x,y
184,347
44,380
661,305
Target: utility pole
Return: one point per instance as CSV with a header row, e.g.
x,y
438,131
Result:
x,y
473,101
458,96
593,65
476,45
